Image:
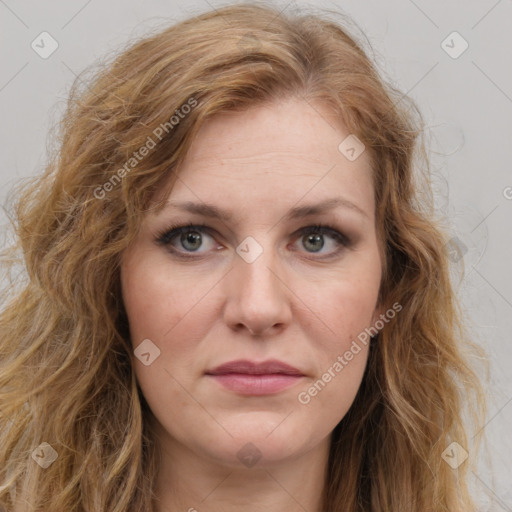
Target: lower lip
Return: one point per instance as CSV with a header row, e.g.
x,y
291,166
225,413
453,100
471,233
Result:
x,y
249,384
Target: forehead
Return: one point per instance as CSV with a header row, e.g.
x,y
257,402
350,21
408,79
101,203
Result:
x,y
291,126
274,154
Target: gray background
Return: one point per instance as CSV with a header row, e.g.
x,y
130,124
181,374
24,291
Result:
x,y
466,101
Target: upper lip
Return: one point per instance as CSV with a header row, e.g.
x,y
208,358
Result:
x,y
253,368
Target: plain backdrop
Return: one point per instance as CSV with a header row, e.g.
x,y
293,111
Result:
x,y
461,81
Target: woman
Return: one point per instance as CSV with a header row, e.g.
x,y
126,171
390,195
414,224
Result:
x,y
235,296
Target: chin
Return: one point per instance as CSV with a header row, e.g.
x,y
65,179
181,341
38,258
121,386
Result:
x,y
254,444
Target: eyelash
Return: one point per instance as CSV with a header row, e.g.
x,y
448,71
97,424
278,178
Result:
x,y
165,236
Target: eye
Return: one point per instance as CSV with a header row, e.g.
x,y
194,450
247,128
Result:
x,y
188,237
313,239
184,240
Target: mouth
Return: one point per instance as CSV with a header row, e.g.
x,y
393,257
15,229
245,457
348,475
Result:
x,y
251,378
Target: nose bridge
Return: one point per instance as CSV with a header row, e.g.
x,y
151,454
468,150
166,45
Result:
x,y
255,270
256,297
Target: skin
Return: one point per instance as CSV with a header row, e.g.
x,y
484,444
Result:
x,y
297,302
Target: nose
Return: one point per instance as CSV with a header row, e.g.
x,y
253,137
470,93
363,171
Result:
x,y
257,296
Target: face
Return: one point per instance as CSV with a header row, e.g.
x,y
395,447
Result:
x,y
259,283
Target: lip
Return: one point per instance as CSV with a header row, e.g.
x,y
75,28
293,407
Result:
x,y
270,366
252,378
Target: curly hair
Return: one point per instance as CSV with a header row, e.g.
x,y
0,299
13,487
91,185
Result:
x,y
66,362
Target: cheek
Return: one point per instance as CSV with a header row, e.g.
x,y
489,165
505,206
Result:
x,y
172,311
157,304
346,305
341,355
157,301
345,311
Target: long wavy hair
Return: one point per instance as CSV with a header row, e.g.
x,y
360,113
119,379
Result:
x,y
66,360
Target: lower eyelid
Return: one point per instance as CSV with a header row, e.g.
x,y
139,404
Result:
x,y
195,255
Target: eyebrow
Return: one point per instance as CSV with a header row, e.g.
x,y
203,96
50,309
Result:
x,y
298,212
